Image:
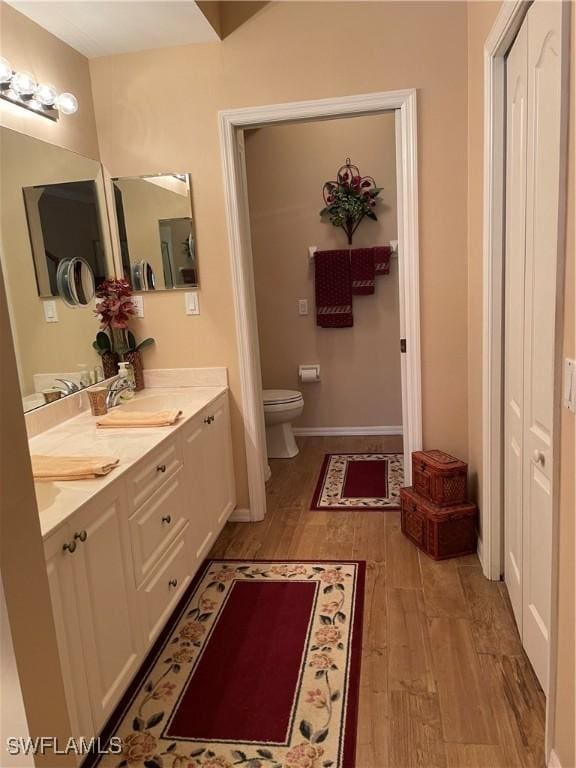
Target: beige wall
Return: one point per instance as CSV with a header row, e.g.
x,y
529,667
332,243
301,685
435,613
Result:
x,y
360,366
29,47
41,347
481,16
391,45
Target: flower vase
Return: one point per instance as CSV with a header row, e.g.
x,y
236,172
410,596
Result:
x,y
110,362
135,359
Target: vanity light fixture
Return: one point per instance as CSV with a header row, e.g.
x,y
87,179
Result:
x,y
42,98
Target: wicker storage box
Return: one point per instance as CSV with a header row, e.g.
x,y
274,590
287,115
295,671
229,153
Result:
x,y
440,532
439,477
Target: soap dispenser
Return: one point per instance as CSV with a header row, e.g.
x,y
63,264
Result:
x,y
126,371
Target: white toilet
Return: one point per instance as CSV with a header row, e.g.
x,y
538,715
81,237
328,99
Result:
x,y
281,407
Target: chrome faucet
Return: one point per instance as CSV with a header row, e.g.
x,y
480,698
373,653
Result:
x,y
69,386
115,389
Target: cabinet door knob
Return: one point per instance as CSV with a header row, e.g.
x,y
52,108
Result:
x,y
207,420
161,468
212,418
173,583
539,457
82,536
167,519
70,546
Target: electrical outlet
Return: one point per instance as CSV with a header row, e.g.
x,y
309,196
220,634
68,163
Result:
x,y
50,312
302,306
191,303
138,302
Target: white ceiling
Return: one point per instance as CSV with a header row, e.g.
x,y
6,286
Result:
x,y
103,27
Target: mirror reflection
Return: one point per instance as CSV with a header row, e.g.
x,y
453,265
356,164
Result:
x,y
66,239
156,231
55,248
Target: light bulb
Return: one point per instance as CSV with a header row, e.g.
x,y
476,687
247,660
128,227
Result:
x,y
5,71
23,84
67,103
46,94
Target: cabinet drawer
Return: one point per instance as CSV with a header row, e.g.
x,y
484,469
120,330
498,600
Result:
x,y
149,475
157,523
164,587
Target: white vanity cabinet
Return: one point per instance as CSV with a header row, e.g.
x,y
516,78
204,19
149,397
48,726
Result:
x,y
119,564
211,489
97,620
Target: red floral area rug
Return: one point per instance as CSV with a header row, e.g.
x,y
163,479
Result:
x,y
360,481
260,668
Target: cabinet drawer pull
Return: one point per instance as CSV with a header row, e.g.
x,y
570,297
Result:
x,y
207,420
173,583
82,536
161,468
167,519
70,546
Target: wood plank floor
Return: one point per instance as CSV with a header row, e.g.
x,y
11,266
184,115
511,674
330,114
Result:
x,y
445,682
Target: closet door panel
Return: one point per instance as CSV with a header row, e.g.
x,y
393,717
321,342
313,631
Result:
x,y
542,237
516,115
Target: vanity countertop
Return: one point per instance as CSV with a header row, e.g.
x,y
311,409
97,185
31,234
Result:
x,y
79,436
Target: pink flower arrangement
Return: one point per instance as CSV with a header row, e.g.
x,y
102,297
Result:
x,y
115,307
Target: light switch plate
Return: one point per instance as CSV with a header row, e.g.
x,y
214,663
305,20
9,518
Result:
x,y
191,303
138,302
50,311
569,389
302,306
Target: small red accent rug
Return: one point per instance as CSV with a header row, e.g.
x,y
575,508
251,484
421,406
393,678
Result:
x,y
360,481
259,668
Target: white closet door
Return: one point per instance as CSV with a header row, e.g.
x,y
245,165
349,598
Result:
x,y
542,240
516,116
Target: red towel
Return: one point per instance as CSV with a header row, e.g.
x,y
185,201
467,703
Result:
x,y
333,289
382,259
363,268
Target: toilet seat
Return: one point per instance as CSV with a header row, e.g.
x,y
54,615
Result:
x,y
272,397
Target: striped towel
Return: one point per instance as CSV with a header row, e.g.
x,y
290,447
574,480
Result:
x,y
333,289
363,268
382,259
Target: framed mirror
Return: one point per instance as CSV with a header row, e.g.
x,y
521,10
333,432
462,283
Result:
x,y
55,249
155,227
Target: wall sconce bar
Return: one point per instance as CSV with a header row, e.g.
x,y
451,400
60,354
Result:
x,y
21,88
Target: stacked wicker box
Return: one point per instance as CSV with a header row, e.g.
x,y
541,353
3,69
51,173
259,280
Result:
x,y
435,513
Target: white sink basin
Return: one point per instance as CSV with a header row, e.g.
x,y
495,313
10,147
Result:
x,y
46,494
151,403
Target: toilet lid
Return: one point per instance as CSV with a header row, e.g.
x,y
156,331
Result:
x,y
280,396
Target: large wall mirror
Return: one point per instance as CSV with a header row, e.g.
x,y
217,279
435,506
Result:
x,y
156,231
55,249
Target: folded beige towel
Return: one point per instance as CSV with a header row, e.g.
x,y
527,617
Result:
x,y
47,468
139,418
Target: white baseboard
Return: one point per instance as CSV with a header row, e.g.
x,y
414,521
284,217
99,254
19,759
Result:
x,y
343,431
554,761
240,515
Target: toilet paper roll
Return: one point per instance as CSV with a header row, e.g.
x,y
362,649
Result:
x,y
308,375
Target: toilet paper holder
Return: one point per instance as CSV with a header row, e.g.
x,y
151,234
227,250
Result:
x,y
309,374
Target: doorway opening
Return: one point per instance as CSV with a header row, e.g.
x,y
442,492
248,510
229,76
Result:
x,y
233,125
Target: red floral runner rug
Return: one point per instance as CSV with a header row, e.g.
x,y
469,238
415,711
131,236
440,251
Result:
x,y
260,667
360,481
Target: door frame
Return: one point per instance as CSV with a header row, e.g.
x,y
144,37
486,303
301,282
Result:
x,y
233,123
491,546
